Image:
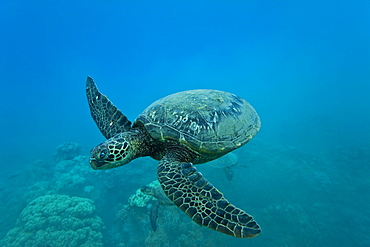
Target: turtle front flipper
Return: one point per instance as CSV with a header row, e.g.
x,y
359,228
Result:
x,y
107,117
201,201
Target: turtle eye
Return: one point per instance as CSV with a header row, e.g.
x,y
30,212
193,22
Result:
x,y
102,154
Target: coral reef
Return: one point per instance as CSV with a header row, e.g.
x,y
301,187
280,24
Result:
x,y
67,151
174,228
310,195
57,220
76,177
124,212
36,171
38,189
139,199
71,175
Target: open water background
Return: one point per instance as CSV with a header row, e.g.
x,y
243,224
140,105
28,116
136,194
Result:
x,y
303,65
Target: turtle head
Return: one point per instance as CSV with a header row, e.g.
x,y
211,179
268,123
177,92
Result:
x,y
147,190
114,152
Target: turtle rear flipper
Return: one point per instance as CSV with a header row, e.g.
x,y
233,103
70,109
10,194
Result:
x,y
229,172
201,201
107,117
154,214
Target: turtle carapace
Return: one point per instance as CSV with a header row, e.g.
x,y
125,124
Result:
x,y
181,130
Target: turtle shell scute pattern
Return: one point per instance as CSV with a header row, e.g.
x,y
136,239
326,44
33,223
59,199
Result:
x,y
210,122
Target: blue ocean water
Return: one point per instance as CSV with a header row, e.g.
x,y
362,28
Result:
x,y
303,65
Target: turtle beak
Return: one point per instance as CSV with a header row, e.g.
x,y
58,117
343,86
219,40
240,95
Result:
x,y
99,164
94,163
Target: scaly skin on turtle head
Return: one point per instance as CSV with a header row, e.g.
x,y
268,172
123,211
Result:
x,y
114,152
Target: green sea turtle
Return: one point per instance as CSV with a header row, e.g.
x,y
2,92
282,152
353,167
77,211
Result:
x,y
161,197
157,193
181,130
227,163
